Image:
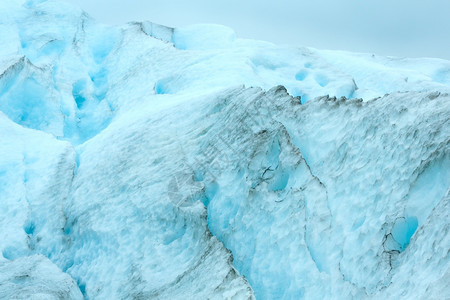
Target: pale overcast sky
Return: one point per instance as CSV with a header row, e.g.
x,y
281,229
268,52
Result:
x,y
414,28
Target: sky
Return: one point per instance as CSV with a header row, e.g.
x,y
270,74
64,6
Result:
x,y
413,28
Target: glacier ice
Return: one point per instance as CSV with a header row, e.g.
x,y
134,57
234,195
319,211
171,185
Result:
x,y
35,277
143,161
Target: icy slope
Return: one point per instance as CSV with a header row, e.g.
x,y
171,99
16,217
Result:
x,y
328,208
135,160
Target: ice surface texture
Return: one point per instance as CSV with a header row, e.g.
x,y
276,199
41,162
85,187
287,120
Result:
x,y
143,161
35,277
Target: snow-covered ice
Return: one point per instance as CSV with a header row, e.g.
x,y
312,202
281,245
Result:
x,y
142,161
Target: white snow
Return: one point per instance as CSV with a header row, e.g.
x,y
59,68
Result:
x,y
144,161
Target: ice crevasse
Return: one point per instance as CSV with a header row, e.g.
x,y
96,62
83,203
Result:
x,y
142,161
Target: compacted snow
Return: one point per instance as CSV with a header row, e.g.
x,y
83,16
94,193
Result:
x,y
143,161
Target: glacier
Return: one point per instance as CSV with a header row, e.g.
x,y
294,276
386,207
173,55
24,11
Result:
x,y
143,161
